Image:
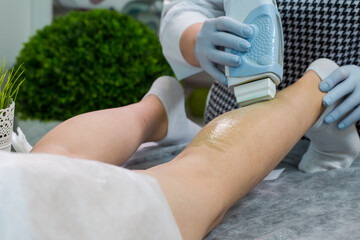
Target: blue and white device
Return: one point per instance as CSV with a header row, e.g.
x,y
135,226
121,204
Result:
x,y
261,68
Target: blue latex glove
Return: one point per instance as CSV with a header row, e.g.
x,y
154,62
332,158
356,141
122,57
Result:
x,y
221,32
343,83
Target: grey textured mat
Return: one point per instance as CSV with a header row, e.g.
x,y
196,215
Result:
x,y
324,205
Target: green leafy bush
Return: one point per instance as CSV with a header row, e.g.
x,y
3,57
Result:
x,y
87,61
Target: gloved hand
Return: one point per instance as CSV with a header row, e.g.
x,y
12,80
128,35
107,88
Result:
x,y
223,32
343,82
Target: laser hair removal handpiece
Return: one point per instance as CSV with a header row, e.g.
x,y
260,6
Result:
x,y
261,68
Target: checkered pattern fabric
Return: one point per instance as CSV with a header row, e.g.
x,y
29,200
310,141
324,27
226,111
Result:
x,y
312,29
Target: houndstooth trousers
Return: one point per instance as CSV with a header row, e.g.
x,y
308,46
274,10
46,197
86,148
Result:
x,y
312,29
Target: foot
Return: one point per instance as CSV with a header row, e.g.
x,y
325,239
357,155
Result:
x,y
171,94
330,148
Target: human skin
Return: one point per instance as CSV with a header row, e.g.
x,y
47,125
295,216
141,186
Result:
x,y
110,135
224,161
188,42
233,153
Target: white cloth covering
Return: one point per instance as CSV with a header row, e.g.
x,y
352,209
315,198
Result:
x,y
53,197
177,16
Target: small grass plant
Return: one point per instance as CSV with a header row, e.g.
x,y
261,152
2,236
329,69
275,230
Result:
x,y
10,82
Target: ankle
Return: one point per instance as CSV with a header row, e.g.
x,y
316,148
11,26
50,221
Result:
x,y
158,122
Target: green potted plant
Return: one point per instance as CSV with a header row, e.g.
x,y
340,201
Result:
x,y
82,62
87,61
10,82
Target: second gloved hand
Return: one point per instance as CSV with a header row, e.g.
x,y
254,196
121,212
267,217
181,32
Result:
x,y
215,35
343,83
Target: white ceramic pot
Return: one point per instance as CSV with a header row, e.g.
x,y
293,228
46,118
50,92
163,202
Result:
x,y
6,126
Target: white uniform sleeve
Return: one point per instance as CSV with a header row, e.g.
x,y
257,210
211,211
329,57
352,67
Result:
x,y
177,16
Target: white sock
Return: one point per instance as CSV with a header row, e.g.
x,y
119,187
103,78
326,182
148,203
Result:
x,y
330,148
171,94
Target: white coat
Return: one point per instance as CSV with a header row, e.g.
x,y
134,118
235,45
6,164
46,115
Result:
x,y
177,16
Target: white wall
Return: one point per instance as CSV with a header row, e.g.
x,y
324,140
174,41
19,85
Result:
x,y
19,19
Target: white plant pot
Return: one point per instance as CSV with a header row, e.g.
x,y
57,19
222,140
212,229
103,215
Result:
x,y
6,127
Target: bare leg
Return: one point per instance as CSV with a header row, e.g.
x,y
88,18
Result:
x,y
233,153
224,161
111,135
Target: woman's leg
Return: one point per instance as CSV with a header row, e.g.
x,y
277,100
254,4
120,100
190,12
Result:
x,y
111,135
224,161
235,152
